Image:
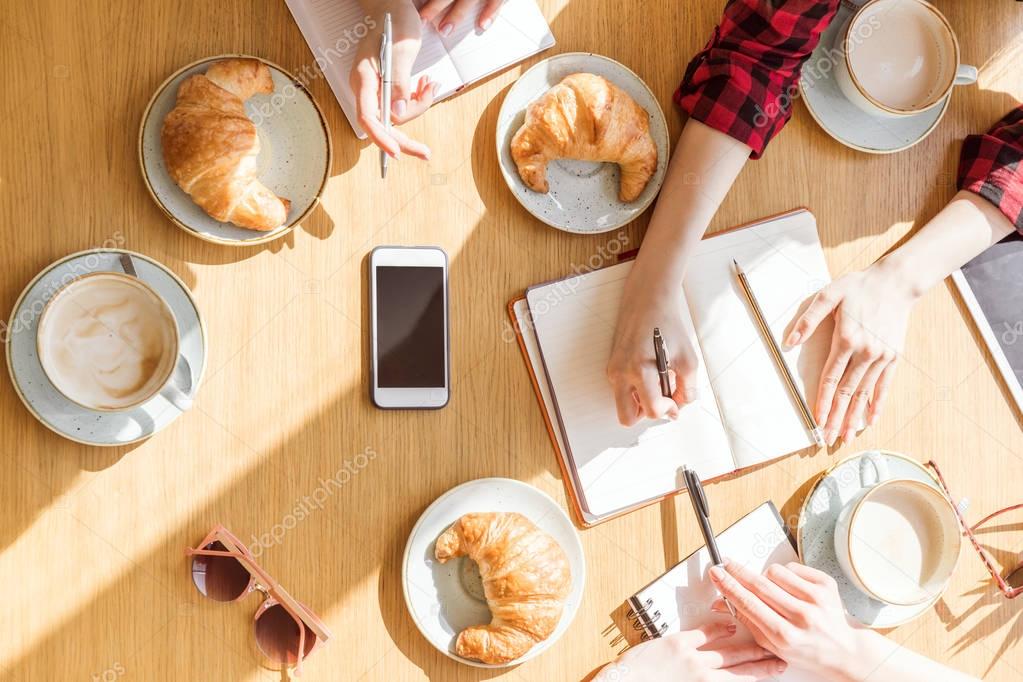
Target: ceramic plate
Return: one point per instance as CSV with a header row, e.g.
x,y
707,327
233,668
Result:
x,y
70,419
816,535
583,195
434,594
843,120
294,157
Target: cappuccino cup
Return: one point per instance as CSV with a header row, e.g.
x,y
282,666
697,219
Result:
x,y
899,58
108,342
897,540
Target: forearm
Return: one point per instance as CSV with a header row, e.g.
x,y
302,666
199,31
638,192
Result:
x,y
702,170
967,225
878,658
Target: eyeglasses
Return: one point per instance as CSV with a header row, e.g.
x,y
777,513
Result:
x,y
1010,582
225,570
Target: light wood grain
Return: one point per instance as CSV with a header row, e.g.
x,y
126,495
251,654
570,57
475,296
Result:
x,y
92,541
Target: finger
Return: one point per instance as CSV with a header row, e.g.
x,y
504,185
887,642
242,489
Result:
x,y
880,393
750,609
455,16
705,634
417,103
402,59
823,303
654,404
409,146
625,402
855,417
790,581
719,606
489,13
366,85
811,574
733,654
854,374
685,387
766,590
432,9
834,368
751,672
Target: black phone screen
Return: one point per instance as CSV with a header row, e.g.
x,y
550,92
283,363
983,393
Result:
x,y
410,343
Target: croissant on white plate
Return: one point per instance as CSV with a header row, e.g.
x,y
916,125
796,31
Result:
x,y
210,146
526,580
586,117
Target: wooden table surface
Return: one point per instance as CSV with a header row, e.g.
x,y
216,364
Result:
x,y
91,540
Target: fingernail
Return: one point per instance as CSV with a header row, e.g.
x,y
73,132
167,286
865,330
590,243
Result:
x,y
793,339
830,436
399,107
435,89
782,665
731,628
446,29
486,24
719,607
717,574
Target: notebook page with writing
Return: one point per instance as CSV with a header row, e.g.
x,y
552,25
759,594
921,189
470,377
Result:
x,y
785,265
617,467
681,598
518,31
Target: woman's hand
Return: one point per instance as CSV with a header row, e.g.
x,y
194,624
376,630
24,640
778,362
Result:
x,y
447,14
871,310
795,612
632,369
702,655
407,100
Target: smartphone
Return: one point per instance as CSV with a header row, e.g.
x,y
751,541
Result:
x,y
409,344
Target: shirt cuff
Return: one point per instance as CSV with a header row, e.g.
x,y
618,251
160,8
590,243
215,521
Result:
x,y
991,166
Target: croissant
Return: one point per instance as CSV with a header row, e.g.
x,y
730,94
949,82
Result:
x,y
210,145
588,118
526,579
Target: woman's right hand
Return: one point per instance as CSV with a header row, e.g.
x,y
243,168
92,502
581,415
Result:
x,y
632,369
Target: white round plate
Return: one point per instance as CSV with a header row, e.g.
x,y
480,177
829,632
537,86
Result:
x,y
583,195
438,603
843,120
294,158
70,419
815,535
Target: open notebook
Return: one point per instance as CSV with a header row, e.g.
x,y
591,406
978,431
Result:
x,y
333,28
681,598
745,414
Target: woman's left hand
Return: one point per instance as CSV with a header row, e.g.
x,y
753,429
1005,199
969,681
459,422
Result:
x,y
448,14
871,310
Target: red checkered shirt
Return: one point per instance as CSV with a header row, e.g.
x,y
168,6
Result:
x,y
745,80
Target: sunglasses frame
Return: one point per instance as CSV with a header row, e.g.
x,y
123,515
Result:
x,y
1007,590
261,581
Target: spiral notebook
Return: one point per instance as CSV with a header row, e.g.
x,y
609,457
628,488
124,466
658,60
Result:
x,y
681,598
333,29
745,414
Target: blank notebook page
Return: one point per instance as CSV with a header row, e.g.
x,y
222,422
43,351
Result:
x,y
616,467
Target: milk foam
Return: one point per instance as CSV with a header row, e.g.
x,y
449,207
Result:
x,y
106,341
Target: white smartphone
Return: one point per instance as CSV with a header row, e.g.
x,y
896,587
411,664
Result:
x,y
408,291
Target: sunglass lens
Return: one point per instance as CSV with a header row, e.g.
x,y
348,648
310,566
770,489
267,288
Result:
x,y
277,635
219,577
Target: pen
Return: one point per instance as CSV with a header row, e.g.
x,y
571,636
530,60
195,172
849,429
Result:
x,y
702,511
779,359
661,357
385,89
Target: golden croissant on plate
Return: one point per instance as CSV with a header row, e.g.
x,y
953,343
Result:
x,y
526,579
210,146
588,118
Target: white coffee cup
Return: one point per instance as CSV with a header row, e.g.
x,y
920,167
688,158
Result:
x,y
899,58
109,342
898,540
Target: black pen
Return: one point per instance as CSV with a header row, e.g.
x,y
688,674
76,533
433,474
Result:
x,y
702,511
661,357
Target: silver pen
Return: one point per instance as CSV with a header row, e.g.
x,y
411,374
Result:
x,y
386,42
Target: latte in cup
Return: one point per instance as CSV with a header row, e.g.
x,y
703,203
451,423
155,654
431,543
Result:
x,y
107,341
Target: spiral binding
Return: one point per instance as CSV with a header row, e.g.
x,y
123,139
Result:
x,y
643,620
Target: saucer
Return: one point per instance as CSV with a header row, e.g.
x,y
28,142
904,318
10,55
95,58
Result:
x,y
815,535
294,158
65,417
843,120
443,599
583,196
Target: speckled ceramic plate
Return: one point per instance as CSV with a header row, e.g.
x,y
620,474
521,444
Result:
x,y
294,158
583,196
843,120
441,599
70,419
815,535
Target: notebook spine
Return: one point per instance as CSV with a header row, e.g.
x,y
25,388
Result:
x,y
644,618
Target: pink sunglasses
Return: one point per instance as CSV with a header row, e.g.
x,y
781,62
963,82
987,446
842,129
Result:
x,y
225,570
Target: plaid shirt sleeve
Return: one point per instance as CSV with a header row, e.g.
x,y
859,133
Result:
x,y
744,81
991,165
